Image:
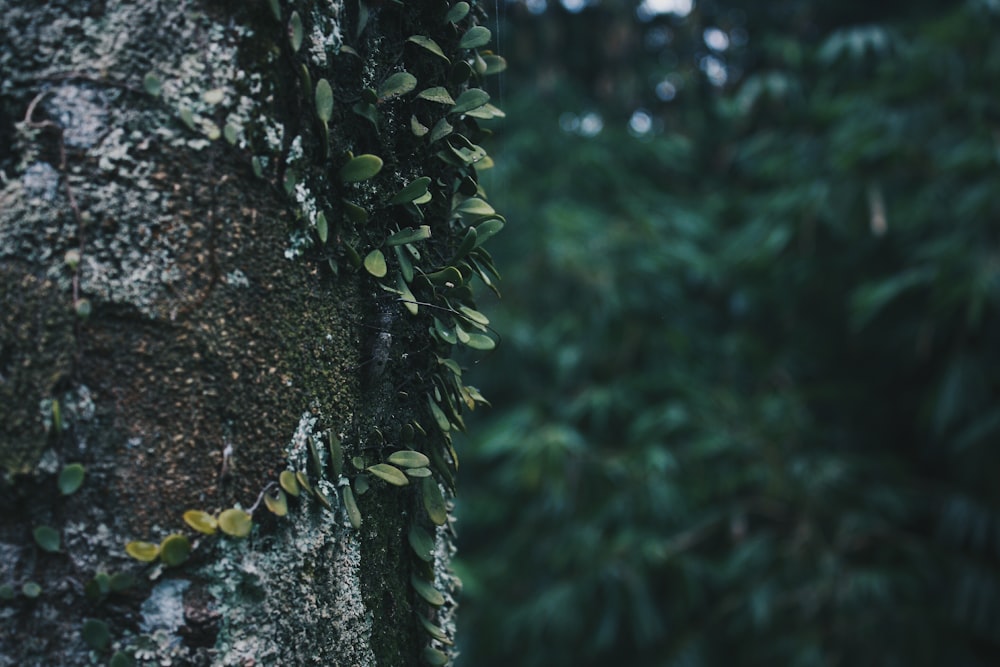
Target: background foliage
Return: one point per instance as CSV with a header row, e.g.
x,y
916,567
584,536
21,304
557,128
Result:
x,y
746,409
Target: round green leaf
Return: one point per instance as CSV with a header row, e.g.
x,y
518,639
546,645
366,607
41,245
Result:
x,y
277,503
152,84
407,458
475,37
398,84
488,228
389,473
458,12
479,341
426,590
324,100
470,99
47,538
203,522
70,478
235,522
434,501
417,472
361,168
375,263
414,189
421,542
438,94
31,589
288,482
143,551
174,550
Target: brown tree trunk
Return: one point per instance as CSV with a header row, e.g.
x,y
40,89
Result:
x,y
178,318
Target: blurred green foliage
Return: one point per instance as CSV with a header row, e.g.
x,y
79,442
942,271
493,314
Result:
x,y
748,401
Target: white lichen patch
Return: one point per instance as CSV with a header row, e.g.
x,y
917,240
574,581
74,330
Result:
x,y
163,610
293,597
81,112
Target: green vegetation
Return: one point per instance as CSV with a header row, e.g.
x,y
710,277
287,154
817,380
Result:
x,y
746,407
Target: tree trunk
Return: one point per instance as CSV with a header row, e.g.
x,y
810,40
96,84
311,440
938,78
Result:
x,y
184,313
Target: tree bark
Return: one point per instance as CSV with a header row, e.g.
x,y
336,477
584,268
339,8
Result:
x,y
183,313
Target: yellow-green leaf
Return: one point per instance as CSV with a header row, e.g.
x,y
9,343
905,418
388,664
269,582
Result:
x,y
203,522
434,501
407,458
389,473
361,168
174,550
426,590
278,503
143,551
235,522
353,513
288,482
375,263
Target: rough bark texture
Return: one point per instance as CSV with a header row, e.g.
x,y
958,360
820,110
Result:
x,y
168,319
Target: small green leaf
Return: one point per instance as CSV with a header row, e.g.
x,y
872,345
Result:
x,y
434,631
235,522
353,513
321,227
95,633
389,473
439,417
422,543
361,485
407,458
438,94
303,481
494,64
324,100
418,128
409,235
375,263
314,456
470,99
295,31
187,117
467,244
486,112
475,207
31,589
288,482
277,503
448,276
405,265
47,538
487,229
434,501
323,500
474,37
367,111
417,472
479,341
457,12
174,550
231,133
275,8
474,315
70,478
441,129
361,168
428,44
398,84
426,590
203,522
435,657
121,581
151,83
143,551
413,190
355,213
336,455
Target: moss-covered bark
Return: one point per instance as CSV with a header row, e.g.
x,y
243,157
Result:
x,y
172,317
